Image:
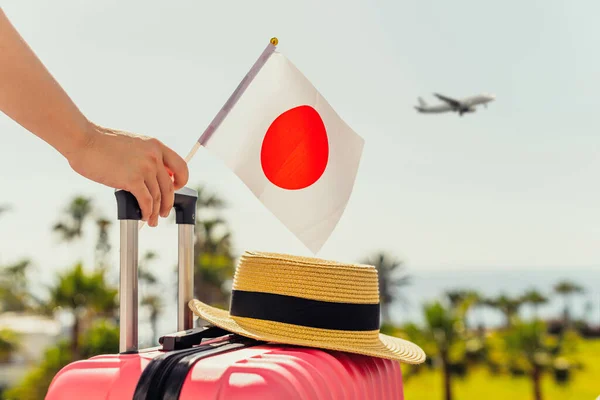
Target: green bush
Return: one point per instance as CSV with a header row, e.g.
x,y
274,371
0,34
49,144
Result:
x,y
101,338
35,384
9,343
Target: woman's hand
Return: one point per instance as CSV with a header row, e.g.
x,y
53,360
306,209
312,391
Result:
x,y
141,165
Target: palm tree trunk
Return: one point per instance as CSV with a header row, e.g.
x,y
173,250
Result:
x,y
153,326
566,313
447,378
537,387
75,337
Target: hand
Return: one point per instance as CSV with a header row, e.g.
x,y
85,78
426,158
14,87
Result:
x,y
137,164
32,97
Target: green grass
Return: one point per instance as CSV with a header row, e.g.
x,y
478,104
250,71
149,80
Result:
x,y
480,384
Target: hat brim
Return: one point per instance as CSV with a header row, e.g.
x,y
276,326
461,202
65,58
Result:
x,y
269,331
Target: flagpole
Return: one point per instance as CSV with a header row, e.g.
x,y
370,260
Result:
x,y
235,96
231,101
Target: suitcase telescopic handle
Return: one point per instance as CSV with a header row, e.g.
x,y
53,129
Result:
x,y
129,215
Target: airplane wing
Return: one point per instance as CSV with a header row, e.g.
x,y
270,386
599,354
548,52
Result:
x,y
452,102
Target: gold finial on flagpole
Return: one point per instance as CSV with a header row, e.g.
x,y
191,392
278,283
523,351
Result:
x,y
274,41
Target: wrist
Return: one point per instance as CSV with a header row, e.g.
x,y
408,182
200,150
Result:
x,y
79,140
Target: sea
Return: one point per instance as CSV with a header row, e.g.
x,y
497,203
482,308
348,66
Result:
x,y
432,284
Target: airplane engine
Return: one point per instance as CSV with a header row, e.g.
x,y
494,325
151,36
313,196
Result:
x,y
466,110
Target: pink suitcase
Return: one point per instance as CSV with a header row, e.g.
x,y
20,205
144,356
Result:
x,y
209,363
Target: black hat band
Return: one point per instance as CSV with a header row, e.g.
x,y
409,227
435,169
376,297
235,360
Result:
x,y
305,312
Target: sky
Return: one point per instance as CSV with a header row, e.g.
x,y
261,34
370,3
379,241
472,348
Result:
x,y
511,186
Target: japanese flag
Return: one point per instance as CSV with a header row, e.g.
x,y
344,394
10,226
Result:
x,y
288,145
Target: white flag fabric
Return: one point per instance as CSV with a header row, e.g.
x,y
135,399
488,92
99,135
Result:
x,y
291,149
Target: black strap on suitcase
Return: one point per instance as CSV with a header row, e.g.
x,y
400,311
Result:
x,y
164,376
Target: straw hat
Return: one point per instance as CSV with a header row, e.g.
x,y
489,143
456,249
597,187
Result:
x,y
308,302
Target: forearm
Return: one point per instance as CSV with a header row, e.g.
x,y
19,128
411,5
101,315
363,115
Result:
x,y
31,97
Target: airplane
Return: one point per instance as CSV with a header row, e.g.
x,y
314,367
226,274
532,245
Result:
x,y
466,105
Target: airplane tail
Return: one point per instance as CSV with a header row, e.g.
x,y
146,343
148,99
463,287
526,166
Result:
x,y
422,102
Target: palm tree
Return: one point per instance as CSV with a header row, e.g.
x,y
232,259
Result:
x,y
456,297
208,200
479,302
81,292
527,345
71,227
462,301
566,289
534,298
508,306
442,332
214,261
211,241
588,310
103,243
389,285
14,287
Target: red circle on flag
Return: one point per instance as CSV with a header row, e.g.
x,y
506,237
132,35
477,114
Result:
x,y
295,149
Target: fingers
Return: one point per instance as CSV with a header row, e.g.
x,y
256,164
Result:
x,y
166,190
177,166
144,199
152,184
165,173
155,195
